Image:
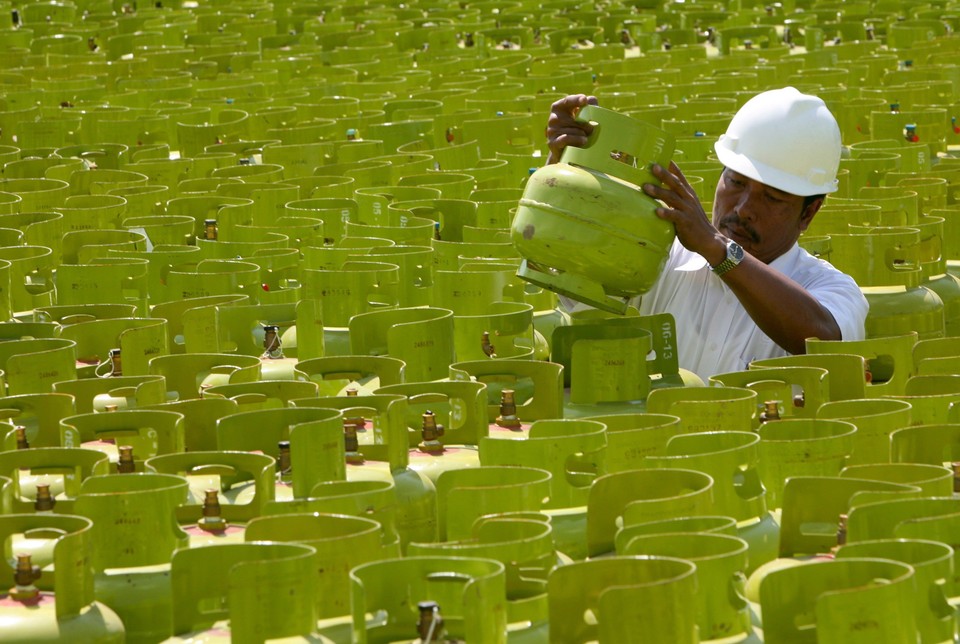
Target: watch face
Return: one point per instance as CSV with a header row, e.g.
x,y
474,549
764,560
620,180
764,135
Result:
x,y
735,251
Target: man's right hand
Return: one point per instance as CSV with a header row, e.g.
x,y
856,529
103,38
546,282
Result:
x,y
563,128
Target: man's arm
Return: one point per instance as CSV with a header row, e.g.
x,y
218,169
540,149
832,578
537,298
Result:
x,y
781,308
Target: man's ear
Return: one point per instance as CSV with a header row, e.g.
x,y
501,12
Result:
x,y
806,217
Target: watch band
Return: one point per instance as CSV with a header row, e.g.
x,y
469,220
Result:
x,y
733,258
724,266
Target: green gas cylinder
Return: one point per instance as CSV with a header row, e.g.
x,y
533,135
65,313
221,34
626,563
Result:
x,y
460,598
245,592
721,561
306,442
525,548
585,226
612,364
831,600
134,535
214,511
573,451
801,447
518,392
336,375
376,449
814,520
731,459
886,263
29,611
445,422
932,562
145,432
616,598
638,497
60,470
341,543
465,496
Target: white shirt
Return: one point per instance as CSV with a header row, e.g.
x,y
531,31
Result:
x,y
715,333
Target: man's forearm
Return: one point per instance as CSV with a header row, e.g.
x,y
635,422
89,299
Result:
x,y
783,309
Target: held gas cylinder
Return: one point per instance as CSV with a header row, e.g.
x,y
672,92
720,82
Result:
x,y
585,227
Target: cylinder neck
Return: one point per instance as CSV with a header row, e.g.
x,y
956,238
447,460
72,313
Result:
x,y
21,433
116,366
351,443
126,463
430,434
210,231
508,410
488,349
272,348
842,530
212,520
24,577
284,466
771,411
44,501
359,422
430,626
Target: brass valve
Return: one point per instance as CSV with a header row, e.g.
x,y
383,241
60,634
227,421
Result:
x,y
116,366
21,432
430,625
210,229
488,349
508,410
351,444
771,411
357,421
45,501
842,530
211,521
283,460
24,577
271,342
126,465
430,434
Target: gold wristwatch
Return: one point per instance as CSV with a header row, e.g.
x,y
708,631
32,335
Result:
x,y
734,255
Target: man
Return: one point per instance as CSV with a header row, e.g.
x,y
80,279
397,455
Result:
x,y
740,287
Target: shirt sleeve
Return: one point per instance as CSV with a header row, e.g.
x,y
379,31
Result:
x,y
840,295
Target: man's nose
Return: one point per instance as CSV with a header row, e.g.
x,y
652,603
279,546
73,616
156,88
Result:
x,y
747,203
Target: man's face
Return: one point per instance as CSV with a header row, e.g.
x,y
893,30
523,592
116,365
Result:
x,y
764,220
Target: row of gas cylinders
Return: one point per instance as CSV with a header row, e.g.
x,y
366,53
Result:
x,y
501,528
890,243
468,509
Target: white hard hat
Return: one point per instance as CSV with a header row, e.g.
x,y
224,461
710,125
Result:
x,y
786,140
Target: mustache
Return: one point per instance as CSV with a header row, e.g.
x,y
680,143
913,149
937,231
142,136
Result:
x,y
733,222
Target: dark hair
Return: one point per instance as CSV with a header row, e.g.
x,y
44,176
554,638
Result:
x,y
809,200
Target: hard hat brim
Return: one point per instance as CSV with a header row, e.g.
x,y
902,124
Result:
x,y
769,175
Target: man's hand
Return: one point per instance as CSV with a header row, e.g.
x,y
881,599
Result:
x,y
682,208
563,128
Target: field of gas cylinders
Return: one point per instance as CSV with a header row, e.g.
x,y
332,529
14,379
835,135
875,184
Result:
x,y
274,368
